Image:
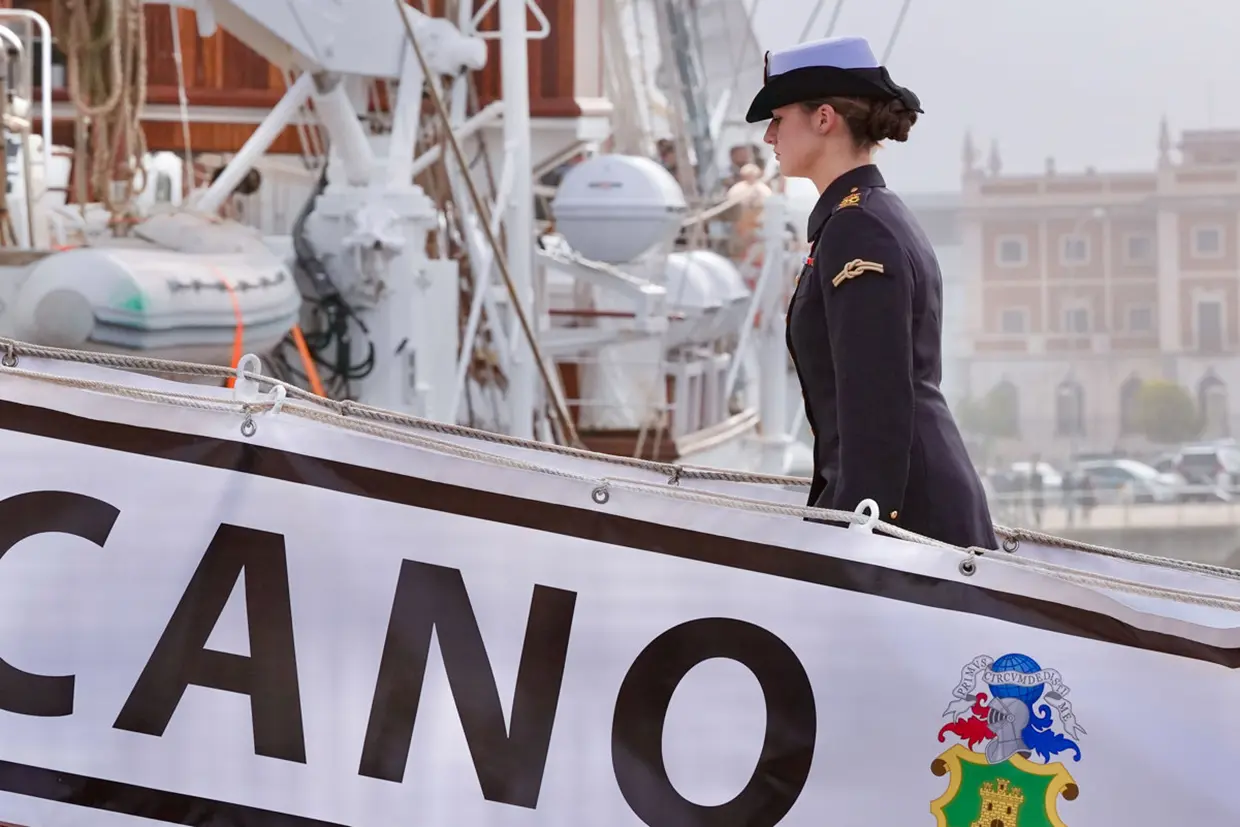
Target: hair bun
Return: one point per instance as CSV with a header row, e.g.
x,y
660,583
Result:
x,y
890,120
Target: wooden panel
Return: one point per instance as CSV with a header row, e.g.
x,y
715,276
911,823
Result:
x,y
219,70
204,137
214,137
222,71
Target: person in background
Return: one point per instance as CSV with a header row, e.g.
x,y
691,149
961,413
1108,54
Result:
x,y
740,156
1070,495
750,193
1087,496
1036,486
667,154
864,322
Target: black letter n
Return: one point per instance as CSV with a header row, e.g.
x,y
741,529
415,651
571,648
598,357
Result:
x,y
509,760
268,675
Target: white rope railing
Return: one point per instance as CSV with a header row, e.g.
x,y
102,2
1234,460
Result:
x,y
286,399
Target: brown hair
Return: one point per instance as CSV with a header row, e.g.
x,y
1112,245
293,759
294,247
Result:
x,y
870,120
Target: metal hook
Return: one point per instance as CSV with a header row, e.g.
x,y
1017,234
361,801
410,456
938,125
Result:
x,y
1010,544
10,357
277,395
246,389
600,494
248,428
869,508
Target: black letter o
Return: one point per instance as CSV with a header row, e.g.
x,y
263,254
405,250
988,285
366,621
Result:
x,y
641,710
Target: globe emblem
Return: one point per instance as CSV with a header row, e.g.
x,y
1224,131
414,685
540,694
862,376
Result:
x,y
1023,665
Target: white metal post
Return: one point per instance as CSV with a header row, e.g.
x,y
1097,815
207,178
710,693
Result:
x,y
514,68
486,116
340,118
45,89
772,345
483,266
257,144
405,122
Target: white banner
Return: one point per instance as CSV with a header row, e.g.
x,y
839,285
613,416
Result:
x,y
310,626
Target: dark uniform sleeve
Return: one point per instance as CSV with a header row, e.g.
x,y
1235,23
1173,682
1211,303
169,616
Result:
x,y
867,282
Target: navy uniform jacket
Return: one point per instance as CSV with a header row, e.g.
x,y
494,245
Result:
x,y
865,334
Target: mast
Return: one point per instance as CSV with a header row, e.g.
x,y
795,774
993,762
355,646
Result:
x,y
519,213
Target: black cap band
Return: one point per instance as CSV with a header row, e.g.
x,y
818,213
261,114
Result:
x,y
813,82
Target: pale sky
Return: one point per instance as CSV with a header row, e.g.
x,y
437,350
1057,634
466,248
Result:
x,y
1085,81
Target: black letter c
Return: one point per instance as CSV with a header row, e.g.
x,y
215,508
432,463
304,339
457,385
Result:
x,y
641,710
28,515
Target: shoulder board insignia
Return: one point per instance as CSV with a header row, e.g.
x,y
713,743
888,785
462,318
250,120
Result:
x,y
850,200
855,268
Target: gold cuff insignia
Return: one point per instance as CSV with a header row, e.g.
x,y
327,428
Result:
x,y
855,268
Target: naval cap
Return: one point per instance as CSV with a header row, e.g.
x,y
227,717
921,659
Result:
x,y
833,67
840,52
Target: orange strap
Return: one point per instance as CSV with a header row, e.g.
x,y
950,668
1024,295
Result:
x,y
239,331
307,362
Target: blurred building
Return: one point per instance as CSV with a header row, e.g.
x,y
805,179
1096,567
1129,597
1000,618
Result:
x,y
1086,284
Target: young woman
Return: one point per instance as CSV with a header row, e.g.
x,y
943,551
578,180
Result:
x,y
865,320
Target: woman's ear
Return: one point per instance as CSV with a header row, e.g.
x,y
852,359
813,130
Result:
x,y
824,118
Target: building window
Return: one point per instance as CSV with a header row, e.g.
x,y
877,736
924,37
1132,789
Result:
x,y
1070,409
1210,326
1073,250
1014,321
1076,320
1140,320
1208,242
1011,251
1139,249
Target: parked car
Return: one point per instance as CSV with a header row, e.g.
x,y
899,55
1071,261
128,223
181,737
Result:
x,y
1211,469
1051,478
1129,481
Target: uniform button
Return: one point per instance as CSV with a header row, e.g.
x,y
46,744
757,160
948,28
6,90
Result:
x,y
895,514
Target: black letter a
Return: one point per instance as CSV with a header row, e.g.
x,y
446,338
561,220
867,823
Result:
x,y
268,675
509,761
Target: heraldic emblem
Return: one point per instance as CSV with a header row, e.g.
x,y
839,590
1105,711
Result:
x,y
1008,772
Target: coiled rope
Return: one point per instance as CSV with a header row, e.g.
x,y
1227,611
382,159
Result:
x,y
106,50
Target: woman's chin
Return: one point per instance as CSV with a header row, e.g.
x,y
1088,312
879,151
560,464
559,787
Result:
x,y
790,170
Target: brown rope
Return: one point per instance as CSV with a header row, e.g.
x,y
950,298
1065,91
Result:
x,y
106,49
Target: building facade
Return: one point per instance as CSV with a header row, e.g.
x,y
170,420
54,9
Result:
x,y
1086,285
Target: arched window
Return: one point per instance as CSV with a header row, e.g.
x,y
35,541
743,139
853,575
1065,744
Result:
x,y
1212,403
1070,408
1128,413
163,188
